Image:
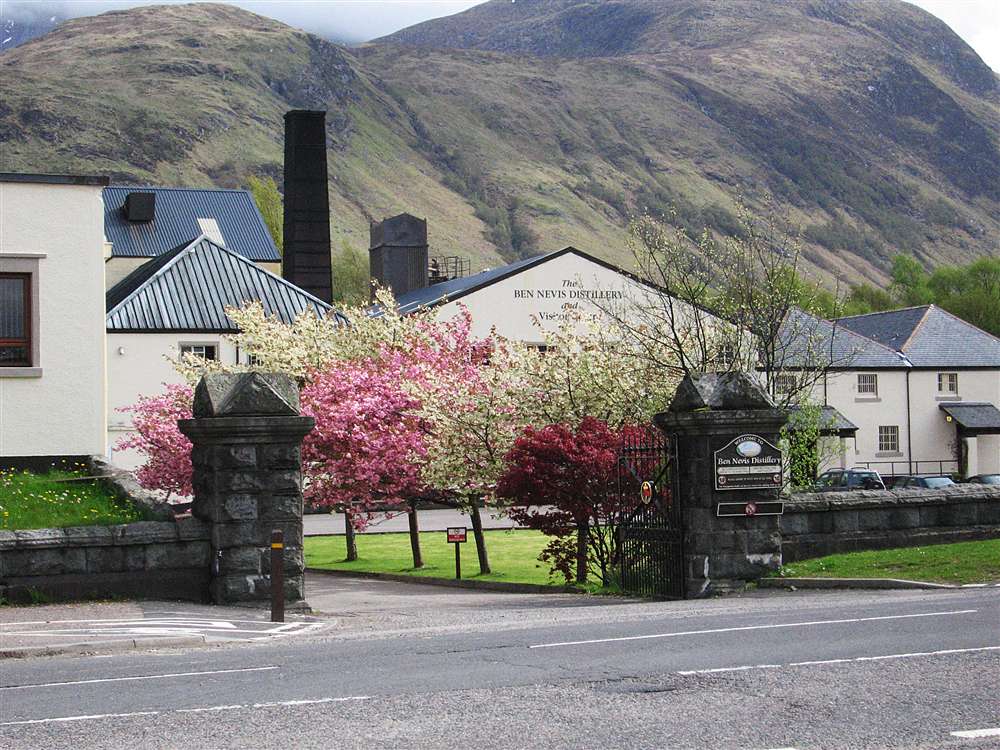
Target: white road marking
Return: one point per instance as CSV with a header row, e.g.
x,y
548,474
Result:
x,y
973,734
912,655
138,677
754,627
78,718
167,627
236,707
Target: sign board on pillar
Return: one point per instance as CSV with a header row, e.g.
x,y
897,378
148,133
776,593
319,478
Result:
x,y
748,462
457,534
750,509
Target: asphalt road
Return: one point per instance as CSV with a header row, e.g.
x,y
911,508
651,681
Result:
x,y
779,670
322,524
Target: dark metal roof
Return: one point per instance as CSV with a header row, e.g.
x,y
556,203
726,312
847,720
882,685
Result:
x,y
55,179
974,418
832,422
929,337
808,341
177,214
448,291
190,287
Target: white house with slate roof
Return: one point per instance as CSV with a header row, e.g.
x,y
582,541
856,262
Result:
x,y
921,385
176,303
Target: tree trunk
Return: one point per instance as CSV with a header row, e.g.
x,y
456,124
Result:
x,y
477,531
582,545
418,560
352,542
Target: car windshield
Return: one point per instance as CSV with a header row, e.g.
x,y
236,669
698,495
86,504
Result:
x,y
830,479
934,482
989,479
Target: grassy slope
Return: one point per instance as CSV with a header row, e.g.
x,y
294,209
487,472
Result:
x,y
44,501
964,562
513,556
714,101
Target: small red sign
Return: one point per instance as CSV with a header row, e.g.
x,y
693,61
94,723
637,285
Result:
x,y
751,509
457,534
646,492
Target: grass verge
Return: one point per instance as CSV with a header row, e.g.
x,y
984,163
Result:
x,y
962,562
513,556
58,499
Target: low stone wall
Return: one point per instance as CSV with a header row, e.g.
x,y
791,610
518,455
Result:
x,y
826,523
148,559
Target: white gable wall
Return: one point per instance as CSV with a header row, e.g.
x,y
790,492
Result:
x,y
59,407
138,366
545,291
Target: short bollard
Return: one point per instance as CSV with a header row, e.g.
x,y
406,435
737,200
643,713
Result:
x,y
277,576
457,536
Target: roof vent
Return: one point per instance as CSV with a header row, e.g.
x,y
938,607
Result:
x,y
140,206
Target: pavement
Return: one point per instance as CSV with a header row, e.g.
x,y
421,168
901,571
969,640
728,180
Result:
x,y
324,524
412,666
102,627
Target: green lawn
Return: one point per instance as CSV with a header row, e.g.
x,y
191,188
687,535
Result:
x,y
964,562
513,556
44,501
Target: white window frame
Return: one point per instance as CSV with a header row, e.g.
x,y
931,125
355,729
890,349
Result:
x,y
785,382
868,384
189,347
947,379
30,264
888,438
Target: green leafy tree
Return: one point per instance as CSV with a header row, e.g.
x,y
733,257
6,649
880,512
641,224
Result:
x,y
351,284
866,298
909,282
269,202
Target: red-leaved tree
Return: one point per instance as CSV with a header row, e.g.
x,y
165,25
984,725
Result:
x,y
574,471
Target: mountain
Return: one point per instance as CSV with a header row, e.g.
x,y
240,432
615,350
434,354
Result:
x,y
522,127
20,28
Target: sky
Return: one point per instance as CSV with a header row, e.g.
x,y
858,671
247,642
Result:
x,y
351,21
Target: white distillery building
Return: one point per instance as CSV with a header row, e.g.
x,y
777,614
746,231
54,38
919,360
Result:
x,y
520,301
52,353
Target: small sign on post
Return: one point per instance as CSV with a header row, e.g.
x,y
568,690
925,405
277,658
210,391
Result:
x,y
457,535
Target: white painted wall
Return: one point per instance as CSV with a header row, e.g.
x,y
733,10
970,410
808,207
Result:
x,y
933,438
61,409
138,366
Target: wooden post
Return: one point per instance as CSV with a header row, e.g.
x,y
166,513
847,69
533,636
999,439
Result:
x,y
277,576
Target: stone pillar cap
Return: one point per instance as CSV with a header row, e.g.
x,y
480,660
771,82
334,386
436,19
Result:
x,y
719,391
246,394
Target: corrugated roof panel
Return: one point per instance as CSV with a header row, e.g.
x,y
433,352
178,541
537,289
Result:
x,y
177,214
189,289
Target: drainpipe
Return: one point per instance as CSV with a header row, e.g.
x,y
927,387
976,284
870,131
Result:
x,y
909,435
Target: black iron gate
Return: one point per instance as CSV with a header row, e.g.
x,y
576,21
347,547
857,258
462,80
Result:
x,y
651,534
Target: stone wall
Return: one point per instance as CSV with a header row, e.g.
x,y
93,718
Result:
x,y
817,524
148,559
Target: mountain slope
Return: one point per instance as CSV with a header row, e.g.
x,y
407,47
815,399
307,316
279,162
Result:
x,y
871,124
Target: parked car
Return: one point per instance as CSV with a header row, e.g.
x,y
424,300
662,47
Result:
x,y
985,479
927,483
841,480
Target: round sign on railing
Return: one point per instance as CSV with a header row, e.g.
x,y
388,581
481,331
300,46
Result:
x,y
646,492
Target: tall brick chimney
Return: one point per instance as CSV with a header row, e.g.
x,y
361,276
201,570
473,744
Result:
x,y
397,257
305,259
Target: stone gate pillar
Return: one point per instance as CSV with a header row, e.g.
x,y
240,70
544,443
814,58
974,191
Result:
x,y
247,435
729,479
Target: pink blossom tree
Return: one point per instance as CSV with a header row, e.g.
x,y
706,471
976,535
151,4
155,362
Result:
x,y
368,445
157,437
